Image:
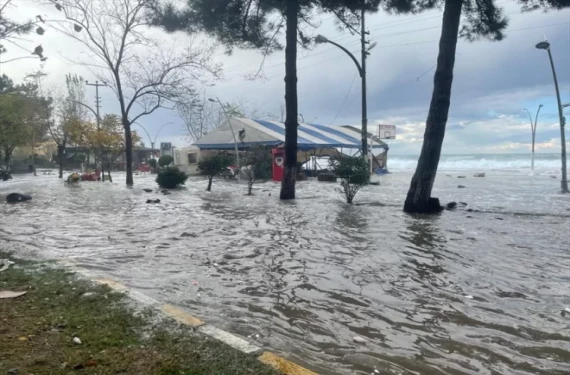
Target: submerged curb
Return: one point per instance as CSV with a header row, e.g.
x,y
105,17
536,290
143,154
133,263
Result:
x,y
181,316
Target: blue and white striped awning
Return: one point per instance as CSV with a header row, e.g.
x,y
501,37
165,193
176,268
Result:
x,y
270,133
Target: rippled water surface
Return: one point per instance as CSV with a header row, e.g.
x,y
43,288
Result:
x,y
466,292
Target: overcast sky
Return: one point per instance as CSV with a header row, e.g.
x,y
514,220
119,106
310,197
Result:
x,y
493,81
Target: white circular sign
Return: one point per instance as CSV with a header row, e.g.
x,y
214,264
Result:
x,y
279,161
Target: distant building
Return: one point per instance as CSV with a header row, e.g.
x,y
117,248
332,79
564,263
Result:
x,y
313,141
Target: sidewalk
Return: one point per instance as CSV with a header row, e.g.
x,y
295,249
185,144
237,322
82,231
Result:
x,y
66,324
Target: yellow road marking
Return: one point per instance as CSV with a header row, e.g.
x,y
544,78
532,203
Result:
x,y
181,315
283,365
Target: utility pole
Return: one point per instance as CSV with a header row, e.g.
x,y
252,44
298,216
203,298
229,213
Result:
x,y
364,52
97,106
97,99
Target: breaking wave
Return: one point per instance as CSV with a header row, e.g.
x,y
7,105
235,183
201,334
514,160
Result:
x,y
544,163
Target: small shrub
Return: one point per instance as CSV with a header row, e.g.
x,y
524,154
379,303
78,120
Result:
x,y
165,160
353,172
258,166
213,166
153,163
73,178
170,178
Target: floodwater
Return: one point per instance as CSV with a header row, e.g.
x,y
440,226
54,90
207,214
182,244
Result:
x,y
465,292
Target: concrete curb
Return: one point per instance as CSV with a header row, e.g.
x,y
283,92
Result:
x,y
173,312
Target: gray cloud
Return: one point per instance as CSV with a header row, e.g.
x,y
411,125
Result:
x,y
493,81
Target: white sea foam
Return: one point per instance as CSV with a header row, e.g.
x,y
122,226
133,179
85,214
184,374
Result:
x,y
544,163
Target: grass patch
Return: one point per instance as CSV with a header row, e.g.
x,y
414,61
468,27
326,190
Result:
x,y
37,329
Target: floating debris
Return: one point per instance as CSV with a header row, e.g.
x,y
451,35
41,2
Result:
x,y
5,294
359,340
5,263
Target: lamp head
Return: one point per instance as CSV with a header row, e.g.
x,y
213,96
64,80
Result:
x,y
543,45
212,100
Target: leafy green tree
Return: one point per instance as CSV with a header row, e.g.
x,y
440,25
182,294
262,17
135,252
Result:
x,y
6,84
107,140
482,19
214,165
258,165
353,172
37,113
13,132
256,24
21,123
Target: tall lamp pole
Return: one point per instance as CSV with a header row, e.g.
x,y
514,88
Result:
x,y
361,66
157,133
564,183
533,130
217,100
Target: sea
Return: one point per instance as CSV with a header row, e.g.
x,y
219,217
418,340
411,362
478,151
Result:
x,y
543,163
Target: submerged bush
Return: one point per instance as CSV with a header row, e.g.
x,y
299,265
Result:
x,y
212,166
165,160
170,178
258,166
353,172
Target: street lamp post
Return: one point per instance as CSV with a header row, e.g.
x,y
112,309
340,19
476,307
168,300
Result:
x,y
320,39
533,130
564,183
217,100
157,133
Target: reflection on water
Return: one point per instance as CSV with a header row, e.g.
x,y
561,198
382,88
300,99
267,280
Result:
x,y
477,292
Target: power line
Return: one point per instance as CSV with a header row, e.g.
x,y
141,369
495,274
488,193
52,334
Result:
x,y
392,45
378,37
344,101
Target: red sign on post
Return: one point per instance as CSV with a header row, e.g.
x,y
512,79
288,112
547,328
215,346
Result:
x,y
278,161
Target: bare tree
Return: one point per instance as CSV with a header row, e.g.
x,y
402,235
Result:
x,y
38,113
200,116
143,71
70,116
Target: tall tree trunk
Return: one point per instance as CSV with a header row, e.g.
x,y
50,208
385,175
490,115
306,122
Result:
x,y
291,121
34,152
7,157
209,188
60,160
419,198
128,151
109,172
101,160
